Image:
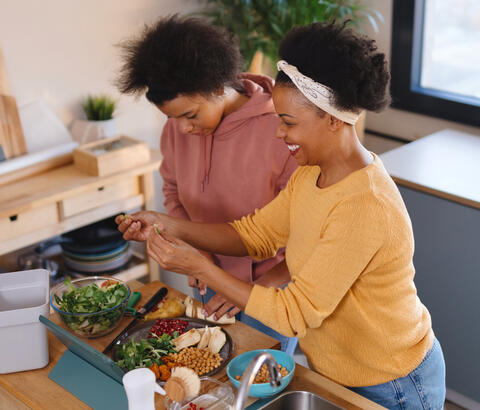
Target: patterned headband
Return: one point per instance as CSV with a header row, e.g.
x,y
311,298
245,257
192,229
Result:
x,y
317,93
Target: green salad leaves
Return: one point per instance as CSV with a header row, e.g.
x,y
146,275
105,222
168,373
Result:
x,y
145,352
92,299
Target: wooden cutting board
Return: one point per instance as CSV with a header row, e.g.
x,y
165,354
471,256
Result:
x,y
4,85
11,133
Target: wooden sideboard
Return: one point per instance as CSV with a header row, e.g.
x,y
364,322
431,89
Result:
x,y
65,198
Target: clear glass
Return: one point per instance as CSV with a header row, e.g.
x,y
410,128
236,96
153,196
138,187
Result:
x,y
78,322
450,49
213,395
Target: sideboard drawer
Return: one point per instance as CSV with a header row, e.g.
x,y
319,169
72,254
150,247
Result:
x,y
16,225
99,197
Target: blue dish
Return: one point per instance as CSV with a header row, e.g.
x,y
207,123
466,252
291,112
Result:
x,y
238,365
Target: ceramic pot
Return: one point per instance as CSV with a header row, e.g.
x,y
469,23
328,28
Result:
x,y
84,131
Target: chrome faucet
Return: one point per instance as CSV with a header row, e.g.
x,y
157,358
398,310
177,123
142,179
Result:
x,y
250,373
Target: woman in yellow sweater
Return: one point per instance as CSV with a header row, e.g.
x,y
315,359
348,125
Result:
x,y
352,301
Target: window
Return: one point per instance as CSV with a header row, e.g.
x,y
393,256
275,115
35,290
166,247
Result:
x,y
436,58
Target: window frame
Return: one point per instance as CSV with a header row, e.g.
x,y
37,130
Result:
x,y
405,71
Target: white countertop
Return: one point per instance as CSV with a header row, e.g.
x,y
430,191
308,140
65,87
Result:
x,y
445,164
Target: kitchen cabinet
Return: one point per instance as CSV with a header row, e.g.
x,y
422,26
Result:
x,y
65,198
439,179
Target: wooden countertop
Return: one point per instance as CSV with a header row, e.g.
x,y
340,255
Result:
x,y
445,164
34,390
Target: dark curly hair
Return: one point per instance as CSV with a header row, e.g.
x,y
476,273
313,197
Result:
x,y
335,56
179,56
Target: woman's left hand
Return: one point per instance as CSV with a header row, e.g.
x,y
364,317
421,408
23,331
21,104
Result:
x,y
220,306
175,255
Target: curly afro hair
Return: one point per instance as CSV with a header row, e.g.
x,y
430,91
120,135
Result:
x,y
179,56
335,56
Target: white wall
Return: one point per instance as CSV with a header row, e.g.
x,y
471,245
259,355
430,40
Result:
x,y
396,122
62,50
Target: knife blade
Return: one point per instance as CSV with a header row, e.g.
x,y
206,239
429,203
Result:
x,y
201,294
157,297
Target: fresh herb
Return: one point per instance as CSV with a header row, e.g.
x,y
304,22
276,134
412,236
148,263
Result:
x,y
145,352
92,299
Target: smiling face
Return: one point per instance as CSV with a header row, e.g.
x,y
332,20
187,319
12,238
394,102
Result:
x,y
302,126
195,114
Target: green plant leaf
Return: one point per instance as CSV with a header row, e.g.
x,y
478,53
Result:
x,y
99,107
261,24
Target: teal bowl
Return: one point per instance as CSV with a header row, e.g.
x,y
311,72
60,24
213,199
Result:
x,y
238,365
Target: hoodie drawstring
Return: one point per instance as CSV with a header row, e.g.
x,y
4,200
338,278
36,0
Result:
x,y
208,148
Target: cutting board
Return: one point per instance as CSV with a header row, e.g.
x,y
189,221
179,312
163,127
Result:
x,y
11,133
4,85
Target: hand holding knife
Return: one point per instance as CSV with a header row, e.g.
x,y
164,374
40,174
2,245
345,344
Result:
x,y
140,314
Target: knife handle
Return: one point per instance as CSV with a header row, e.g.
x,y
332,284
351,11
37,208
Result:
x,y
134,298
153,301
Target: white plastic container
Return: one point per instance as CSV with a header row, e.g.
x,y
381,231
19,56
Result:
x,y
24,296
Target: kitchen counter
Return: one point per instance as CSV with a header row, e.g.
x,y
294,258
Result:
x,y
34,390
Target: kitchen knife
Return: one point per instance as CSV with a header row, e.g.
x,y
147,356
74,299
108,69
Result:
x,y
157,297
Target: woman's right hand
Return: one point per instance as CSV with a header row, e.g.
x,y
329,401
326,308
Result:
x,y
194,283
137,226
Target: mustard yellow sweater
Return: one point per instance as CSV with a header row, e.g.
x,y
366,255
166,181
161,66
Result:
x,y
352,301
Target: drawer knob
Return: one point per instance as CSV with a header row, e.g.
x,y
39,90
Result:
x,y
100,188
13,218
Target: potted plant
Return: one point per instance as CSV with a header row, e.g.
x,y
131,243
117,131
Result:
x,y
100,122
259,25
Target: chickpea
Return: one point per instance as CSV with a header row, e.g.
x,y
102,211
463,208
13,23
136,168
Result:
x,y
201,361
263,376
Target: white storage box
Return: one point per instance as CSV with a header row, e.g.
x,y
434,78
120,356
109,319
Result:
x,y
24,296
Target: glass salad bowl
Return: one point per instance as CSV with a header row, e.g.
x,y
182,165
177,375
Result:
x,y
90,307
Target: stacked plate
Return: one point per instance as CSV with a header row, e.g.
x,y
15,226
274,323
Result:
x,y
94,249
97,263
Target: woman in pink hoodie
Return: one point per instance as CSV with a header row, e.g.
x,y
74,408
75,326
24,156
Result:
x,y
221,159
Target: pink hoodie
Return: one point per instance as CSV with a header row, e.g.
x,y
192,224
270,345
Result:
x,y
224,176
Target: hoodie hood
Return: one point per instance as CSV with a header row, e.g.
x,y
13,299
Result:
x,y
259,90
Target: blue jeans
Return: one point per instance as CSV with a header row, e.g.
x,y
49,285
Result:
x,y
423,388
288,343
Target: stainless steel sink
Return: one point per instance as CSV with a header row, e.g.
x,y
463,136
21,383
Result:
x,y
299,400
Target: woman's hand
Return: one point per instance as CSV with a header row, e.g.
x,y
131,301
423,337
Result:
x,y
137,226
194,283
176,255
220,306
